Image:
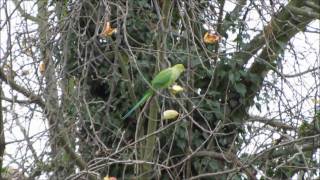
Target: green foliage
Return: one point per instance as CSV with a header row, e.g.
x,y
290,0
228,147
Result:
x,y
181,135
309,128
289,170
241,89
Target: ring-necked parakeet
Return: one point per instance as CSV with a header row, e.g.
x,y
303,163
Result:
x,y
163,79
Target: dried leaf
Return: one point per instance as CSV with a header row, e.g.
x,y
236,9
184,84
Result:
x,y
42,68
210,38
108,30
109,178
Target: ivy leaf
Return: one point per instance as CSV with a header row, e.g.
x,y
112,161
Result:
x,y
234,76
258,106
213,165
241,89
231,77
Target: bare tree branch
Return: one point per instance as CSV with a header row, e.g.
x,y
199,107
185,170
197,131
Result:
x,y
28,94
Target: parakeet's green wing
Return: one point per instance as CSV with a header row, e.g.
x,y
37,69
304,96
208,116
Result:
x,y
162,80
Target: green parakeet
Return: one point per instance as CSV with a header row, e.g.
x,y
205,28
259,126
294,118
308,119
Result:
x,y
162,80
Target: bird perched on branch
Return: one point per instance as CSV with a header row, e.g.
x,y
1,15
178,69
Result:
x,y
162,80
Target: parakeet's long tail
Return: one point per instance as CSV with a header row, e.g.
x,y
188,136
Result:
x,y
145,97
